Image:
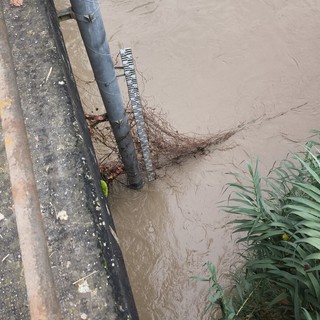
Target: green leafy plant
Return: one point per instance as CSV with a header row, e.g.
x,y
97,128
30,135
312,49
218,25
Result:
x,y
216,295
278,219
246,299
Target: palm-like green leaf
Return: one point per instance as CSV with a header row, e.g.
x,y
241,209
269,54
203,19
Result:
x,y
278,218
315,242
282,226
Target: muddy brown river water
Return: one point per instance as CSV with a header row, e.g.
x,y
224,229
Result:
x,y
211,65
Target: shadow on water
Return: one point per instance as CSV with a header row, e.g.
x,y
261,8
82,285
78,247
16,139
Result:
x,y
142,219
166,240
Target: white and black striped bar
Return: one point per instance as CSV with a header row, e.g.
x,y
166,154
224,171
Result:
x,y
134,96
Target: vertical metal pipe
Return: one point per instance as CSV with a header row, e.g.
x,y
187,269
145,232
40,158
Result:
x,y
43,302
88,16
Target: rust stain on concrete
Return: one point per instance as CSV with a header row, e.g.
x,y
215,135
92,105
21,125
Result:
x,y
5,103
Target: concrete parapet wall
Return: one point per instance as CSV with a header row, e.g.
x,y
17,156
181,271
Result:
x,y
86,260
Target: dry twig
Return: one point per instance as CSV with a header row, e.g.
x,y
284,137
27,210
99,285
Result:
x,y
167,145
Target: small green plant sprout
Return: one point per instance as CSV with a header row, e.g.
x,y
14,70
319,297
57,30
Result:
x,y
216,296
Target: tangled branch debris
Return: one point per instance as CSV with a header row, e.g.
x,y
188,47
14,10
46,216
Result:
x,y
167,145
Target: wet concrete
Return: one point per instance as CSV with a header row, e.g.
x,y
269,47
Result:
x,y
210,65
86,260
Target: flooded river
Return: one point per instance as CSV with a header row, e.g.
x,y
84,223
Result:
x,y
210,65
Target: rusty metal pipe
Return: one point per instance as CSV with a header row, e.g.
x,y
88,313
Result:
x,y
43,302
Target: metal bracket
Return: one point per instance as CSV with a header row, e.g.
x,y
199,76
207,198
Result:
x,y
66,14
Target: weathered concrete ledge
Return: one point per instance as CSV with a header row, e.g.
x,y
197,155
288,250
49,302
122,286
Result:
x,y
87,263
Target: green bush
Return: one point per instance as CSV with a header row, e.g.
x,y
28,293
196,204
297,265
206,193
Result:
x,y
278,219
